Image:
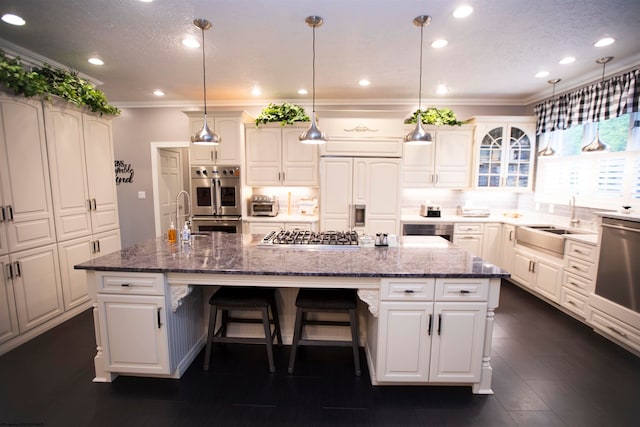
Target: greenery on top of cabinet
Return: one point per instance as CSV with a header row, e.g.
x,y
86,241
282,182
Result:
x,y
286,114
47,81
435,116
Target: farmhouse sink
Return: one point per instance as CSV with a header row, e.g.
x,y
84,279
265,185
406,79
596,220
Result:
x,y
545,238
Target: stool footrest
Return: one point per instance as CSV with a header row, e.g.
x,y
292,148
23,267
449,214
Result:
x,y
327,323
337,343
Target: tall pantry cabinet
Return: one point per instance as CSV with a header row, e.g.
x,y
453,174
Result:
x,y
58,208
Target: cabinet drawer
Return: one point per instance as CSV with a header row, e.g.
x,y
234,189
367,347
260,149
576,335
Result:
x,y
581,268
614,328
463,228
573,301
581,251
130,284
462,289
407,290
577,283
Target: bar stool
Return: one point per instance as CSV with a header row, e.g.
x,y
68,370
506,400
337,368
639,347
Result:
x,y
327,301
231,298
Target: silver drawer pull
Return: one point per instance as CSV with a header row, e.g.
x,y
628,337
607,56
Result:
x,y
465,291
126,285
577,268
408,291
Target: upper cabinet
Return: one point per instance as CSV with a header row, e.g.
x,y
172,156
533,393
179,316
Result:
x,y
505,152
275,156
445,163
229,125
26,210
80,148
356,136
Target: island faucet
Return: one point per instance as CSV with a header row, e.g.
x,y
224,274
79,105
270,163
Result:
x,y
572,204
188,207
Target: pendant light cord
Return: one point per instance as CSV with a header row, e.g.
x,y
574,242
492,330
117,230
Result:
x,y
313,71
420,84
204,75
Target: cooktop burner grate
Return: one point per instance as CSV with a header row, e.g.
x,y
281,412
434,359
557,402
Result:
x,y
309,238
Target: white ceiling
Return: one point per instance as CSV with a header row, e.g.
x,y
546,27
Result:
x,y
492,55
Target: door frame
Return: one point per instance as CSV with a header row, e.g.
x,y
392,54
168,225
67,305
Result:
x,y
155,169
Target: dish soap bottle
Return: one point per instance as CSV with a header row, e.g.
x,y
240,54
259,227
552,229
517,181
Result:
x,y
171,233
186,234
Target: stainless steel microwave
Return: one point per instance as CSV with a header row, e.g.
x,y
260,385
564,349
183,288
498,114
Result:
x,y
261,205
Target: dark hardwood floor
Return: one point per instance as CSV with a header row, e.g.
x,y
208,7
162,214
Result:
x,y
548,370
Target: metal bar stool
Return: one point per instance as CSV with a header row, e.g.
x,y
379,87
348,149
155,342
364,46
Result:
x,y
328,301
230,298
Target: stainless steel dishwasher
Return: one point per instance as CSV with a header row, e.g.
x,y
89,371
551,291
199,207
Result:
x,y
618,269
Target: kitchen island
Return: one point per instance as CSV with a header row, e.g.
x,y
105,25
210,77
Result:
x,y
429,318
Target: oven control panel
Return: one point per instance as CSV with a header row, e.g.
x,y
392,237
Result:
x,y
215,171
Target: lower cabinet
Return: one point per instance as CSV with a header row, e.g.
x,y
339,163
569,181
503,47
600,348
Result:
x,y
8,316
540,273
431,333
134,335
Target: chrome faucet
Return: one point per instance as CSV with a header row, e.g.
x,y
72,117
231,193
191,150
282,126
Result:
x,y
188,206
572,204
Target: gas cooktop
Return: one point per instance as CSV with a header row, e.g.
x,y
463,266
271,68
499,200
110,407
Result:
x,y
306,238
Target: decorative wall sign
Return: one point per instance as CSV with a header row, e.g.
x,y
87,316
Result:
x,y
124,172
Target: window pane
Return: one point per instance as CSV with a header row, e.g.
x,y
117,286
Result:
x,y
615,132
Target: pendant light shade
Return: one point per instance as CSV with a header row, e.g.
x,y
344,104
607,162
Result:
x,y
548,151
204,136
596,145
419,136
313,135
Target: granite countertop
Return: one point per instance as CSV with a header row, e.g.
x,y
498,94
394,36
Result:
x,y
222,253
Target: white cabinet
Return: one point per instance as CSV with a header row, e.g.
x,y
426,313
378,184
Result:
x,y
229,125
492,243
508,246
8,316
446,163
275,156
80,149
26,208
505,152
431,331
578,279
77,251
35,274
360,193
469,236
538,272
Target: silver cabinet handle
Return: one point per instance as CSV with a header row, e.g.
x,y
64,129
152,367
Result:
x,y
17,267
511,235
408,291
439,324
158,314
9,272
10,210
95,205
430,328
3,214
465,291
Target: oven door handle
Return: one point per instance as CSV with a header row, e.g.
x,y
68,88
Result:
x,y
217,196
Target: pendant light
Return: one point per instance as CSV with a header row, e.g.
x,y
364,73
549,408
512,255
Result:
x,y
548,151
419,136
204,136
313,135
596,145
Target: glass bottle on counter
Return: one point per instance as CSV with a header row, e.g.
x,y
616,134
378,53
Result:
x,y
171,233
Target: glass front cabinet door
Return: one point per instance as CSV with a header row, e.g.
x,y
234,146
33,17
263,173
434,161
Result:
x,y
505,153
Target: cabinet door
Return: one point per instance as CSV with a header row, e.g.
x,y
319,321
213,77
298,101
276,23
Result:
x,y
134,334
4,245
336,193
518,166
376,184
264,228
74,282
37,287
404,341
521,272
230,130
101,173
24,174
65,145
299,161
453,158
471,242
107,242
458,342
492,243
508,243
8,317
417,168
548,279
264,154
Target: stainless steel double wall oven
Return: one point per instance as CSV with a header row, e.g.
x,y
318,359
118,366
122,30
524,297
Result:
x,y
216,198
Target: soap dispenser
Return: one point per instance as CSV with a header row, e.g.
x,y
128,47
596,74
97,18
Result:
x,y
185,236
172,233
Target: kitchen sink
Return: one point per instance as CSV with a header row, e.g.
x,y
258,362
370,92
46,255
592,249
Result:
x,y
545,238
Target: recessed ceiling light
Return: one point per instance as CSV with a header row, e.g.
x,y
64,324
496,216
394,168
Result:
x,y
604,42
440,43
442,89
256,91
13,19
541,74
567,60
146,1
96,61
364,82
157,92
302,92
462,11
192,43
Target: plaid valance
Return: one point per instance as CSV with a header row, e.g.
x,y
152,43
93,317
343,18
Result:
x,y
601,101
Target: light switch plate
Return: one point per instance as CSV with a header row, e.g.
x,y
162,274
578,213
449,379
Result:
x,y
142,195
